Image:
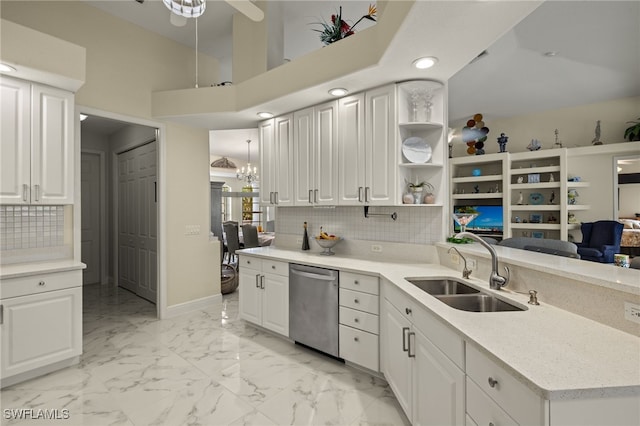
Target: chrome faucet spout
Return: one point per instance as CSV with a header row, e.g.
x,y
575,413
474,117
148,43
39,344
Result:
x,y
496,281
466,272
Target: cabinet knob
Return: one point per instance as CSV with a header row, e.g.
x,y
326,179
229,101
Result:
x,y
356,282
491,424
273,266
356,301
248,262
492,382
41,283
356,320
355,339
408,311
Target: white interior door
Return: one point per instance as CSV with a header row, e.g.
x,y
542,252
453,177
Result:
x,y
91,216
137,221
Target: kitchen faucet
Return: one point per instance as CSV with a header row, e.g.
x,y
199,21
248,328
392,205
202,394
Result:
x,y
466,272
496,281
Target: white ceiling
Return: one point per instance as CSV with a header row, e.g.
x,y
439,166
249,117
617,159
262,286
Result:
x,y
598,45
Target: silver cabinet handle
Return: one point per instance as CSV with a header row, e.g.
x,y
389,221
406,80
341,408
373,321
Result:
x,y
25,192
409,348
41,283
404,339
408,311
366,194
315,196
37,192
1,314
275,197
360,194
492,382
310,200
257,278
262,282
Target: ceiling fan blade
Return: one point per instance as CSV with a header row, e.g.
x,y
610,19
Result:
x,y
248,9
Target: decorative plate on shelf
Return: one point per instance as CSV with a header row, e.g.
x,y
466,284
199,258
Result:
x,y
416,150
536,198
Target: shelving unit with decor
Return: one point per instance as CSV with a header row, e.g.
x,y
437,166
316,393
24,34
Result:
x,y
479,181
426,128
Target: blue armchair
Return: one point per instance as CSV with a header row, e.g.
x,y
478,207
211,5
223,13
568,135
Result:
x,y
600,240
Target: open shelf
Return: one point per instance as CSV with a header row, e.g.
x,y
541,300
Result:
x,y
541,226
420,165
473,179
417,126
528,170
533,208
472,196
541,185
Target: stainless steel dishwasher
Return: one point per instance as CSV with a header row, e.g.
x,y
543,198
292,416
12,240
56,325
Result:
x,y
313,307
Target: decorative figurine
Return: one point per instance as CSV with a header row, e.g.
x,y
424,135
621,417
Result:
x,y
551,178
534,145
520,179
553,197
572,195
476,189
502,141
557,143
520,199
596,140
497,189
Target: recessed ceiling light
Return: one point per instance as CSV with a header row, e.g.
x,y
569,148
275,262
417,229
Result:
x,y
426,62
338,91
551,54
265,114
6,68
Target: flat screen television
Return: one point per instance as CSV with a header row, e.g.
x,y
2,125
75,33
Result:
x,y
488,222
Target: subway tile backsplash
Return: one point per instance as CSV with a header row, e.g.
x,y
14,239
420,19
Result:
x,y
414,225
23,227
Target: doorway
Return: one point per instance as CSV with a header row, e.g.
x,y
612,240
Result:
x,y
112,137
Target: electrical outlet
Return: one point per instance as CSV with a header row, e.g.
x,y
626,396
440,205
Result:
x,y
192,230
376,248
632,312
471,263
454,258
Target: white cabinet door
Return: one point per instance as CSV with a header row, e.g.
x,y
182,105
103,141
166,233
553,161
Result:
x,y
397,365
40,329
266,131
52,146
351,150
326,155
438,385
283,161
250,303
15,142
380,149
275,303
303,162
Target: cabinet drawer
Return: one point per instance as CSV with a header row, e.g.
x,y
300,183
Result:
x,y
513,396
275,267
358,282
483,410
359,347
40,283
360,301
360,320
250,262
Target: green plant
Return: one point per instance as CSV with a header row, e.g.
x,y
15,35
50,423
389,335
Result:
x,y
633,133
339,28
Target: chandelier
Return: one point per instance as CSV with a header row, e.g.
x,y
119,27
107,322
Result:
x,y
186,8
250,175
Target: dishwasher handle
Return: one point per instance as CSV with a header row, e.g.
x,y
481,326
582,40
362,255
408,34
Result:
x,y
314,276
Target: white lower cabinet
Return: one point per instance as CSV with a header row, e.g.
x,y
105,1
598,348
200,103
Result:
x,y
41,323
427,383
359,320
264,285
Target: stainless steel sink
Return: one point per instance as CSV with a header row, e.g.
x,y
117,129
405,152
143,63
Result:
x,y
439,286
479,302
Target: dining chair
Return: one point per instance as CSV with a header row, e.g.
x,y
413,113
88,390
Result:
x,y
250,236
233,240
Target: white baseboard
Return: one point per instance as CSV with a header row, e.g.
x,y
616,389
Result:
x,y
193,305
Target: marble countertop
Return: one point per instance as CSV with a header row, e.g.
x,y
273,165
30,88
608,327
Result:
x,y
559,355
26,269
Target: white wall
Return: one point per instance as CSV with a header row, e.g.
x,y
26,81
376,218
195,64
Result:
x,y
125,64
629,200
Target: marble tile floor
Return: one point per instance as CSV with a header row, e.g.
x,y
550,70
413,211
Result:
x,y
207,367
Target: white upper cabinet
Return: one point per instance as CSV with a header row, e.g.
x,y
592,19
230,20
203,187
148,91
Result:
x,y
366,146
37,144
303,164
276,158
266,131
